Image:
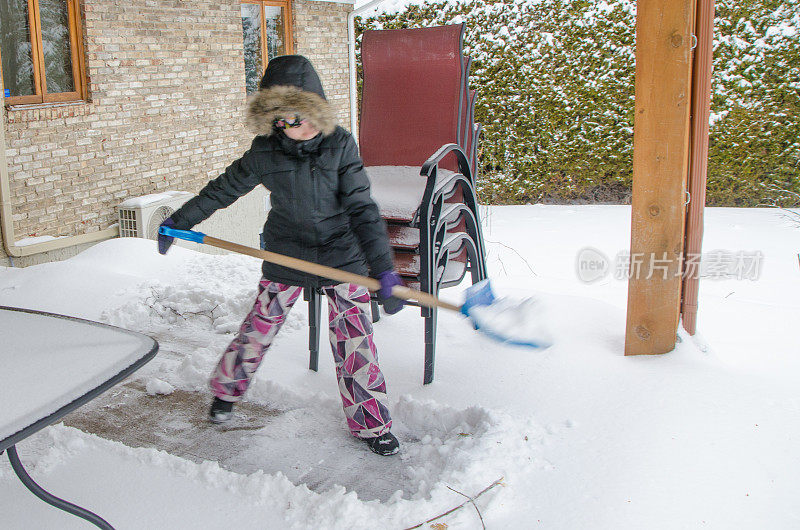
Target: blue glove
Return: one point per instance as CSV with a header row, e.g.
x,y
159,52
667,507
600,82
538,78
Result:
x,y
164,242
391,304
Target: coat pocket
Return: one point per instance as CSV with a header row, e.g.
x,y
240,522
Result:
x,y
282,184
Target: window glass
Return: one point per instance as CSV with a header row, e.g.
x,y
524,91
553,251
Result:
x,y
274,17
56,48
251,29
15,43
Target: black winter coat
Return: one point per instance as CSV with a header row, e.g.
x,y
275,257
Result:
x,y
321,211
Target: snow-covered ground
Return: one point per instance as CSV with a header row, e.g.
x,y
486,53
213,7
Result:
x,y
583,437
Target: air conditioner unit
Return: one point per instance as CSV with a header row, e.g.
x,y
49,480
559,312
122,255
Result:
x,y
141,216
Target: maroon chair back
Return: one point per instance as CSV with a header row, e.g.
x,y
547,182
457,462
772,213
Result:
x,y
412,94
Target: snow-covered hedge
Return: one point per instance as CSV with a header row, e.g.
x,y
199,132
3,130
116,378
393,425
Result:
x,y
755,140
555,81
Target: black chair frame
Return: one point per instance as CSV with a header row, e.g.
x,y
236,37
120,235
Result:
x,y
314,298
436,244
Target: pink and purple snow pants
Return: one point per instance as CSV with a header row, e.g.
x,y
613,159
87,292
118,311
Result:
x,y
361,382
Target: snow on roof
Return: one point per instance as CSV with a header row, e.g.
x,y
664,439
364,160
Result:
x,y
388,6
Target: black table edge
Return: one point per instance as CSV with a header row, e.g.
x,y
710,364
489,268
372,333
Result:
x,y
82,400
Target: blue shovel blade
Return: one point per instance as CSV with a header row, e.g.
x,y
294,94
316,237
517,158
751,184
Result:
x,y
478,294
483,309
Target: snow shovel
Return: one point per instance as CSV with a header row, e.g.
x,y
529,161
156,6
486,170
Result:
x,y
502,320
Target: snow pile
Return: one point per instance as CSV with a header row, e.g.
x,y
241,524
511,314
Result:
x,y
157,386
27,241
211,294
521,322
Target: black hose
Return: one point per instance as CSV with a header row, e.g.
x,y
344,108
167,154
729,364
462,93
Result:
x,y
52,500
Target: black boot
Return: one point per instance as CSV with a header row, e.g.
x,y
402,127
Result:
x,y
384,445
221,411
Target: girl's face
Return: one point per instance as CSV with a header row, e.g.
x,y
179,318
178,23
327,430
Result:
x,y
306,131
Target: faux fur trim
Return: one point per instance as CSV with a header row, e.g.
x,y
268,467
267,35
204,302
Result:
x,y
280,101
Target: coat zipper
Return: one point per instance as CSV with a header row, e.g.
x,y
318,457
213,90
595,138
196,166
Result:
x,y
317,206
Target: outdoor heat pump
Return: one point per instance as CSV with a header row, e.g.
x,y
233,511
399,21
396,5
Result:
x,y
241,222
141,216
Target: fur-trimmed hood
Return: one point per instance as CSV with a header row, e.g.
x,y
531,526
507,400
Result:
x,y
290,87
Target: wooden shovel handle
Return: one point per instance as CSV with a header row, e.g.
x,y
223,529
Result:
x,y
372,284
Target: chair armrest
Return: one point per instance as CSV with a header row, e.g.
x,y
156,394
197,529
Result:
x,y
433,161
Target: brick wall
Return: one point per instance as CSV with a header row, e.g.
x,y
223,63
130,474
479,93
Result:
x,y
166,86
321,35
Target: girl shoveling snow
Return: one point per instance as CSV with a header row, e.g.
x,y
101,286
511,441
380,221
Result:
x,y
321,212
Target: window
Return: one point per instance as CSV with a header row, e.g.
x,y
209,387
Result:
x,y
266,27
40,51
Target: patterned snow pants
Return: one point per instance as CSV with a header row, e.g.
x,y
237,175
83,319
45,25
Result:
x,y
361,382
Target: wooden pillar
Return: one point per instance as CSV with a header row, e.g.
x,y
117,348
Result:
x,y
660,167
698,163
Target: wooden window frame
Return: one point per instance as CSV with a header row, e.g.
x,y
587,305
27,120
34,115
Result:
x,y
37,55
287,37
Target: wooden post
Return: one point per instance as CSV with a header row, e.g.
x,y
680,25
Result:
x,y
698,164
660,167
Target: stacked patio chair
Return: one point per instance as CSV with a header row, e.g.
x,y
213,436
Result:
x,y
419,146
